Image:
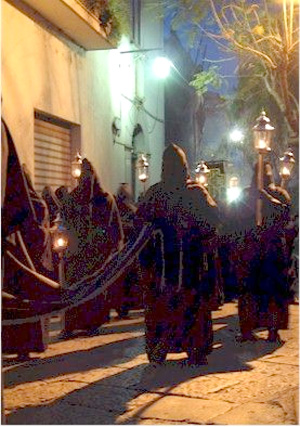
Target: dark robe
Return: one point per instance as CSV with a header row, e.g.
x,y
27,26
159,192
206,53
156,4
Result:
x,y
24,218
52,203
130,292
181,270
262,262
94,225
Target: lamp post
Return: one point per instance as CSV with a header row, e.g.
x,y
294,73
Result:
x,y
202,172
59,245
76,166
262,140
143,167
287,163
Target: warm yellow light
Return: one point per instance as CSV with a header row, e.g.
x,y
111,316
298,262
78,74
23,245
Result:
x,y
76,173
61,242
285,171
202,179
262,144
143,177
76,166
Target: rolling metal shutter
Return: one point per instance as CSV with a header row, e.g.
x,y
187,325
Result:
x,y
52,155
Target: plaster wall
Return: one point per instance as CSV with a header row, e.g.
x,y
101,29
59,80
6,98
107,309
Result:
x,y
45,72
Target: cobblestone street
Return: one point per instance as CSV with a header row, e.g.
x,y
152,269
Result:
x,y
107,380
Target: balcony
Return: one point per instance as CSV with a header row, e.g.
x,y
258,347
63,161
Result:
x,y
73,19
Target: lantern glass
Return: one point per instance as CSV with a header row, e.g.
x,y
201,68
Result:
x,y
233,190
59,236
143,167
263,133
76,166
287,164
202,172
60,241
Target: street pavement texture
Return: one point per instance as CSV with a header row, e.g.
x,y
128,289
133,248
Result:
x,y
107,379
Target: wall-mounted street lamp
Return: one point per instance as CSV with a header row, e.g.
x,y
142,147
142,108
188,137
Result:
x,y
202,172
60,243
262,135
236,135
161,67
287,164
76,166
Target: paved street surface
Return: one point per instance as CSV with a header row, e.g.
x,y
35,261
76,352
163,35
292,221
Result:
x,y
108,380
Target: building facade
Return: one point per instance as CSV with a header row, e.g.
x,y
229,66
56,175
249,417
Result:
x,y
67,89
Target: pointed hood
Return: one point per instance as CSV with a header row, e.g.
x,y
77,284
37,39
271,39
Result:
x,y
174,166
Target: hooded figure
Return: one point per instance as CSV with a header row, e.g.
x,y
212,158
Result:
x,y
51,202
25,234
130,294
263,259
126,207
180,265
92,219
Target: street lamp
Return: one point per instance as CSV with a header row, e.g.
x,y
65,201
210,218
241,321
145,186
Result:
x,y
287,163
59,245
233,191
202,172
143,167
76,166
262,133
161,67
236,136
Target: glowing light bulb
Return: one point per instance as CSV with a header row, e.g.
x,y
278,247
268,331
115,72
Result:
x,y
202,179
161,67
142,177
61,242
285,171
76,173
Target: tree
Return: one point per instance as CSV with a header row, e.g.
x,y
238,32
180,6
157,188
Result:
x,y
265,37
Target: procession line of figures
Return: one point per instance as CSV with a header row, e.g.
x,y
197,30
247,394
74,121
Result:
x,y
179,278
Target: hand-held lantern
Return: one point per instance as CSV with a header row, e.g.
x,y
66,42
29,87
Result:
x,y
76,166
202,172
143,166
59,236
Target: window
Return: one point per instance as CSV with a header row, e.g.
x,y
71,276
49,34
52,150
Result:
x,y
54,147
136,22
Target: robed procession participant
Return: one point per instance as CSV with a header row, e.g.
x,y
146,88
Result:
x,y
92,219
180,264
130,293
25,238
263,259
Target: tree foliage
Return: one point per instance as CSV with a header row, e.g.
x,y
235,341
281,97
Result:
x,y
113,15
263,34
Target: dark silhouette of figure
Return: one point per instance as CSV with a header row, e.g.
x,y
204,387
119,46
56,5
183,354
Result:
x,y
52,203
181,279
263,259
130,291
25,234
93,222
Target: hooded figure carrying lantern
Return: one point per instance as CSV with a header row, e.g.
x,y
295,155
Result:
x,y
91,217
180,265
